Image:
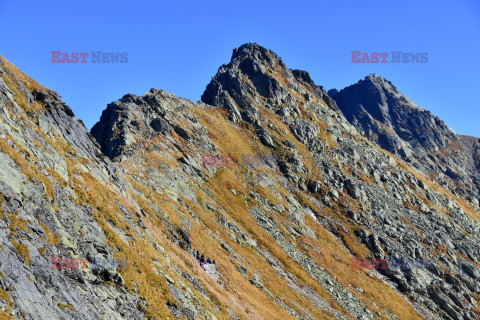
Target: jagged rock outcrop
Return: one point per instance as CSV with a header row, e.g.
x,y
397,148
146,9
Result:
x,y
388,118
256,75
383,114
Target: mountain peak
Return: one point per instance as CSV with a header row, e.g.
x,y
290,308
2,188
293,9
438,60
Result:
x,y
250,75
253,59
255,52
388,117
374,76
377,90
377,79
257,76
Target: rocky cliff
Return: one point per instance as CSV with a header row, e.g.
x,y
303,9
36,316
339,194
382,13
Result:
x,y
329,221
392,121
51,182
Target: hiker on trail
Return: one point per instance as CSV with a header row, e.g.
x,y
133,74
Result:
x,y
198,255
194,252
202,258
208,260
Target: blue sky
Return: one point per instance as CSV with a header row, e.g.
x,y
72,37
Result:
x,y
178,46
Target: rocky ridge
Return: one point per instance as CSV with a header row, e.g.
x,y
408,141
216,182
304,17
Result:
x,y
283,233
392,121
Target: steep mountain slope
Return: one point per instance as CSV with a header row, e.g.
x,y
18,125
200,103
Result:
x,y
385,116
48,209
284,229
370,202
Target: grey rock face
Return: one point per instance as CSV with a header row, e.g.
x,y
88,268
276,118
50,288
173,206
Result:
x,y
247,73
250,79
33,210
388,118
379,110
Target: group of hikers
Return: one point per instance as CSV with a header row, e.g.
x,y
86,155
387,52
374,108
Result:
x,y
201,259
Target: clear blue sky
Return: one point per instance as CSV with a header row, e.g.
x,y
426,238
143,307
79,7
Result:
x,y
179,45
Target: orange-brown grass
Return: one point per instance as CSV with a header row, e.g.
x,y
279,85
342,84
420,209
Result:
x,y
338,262
22,251
370,180
346,231
462,203
16,223
4,295
12,81
102,199
6,316
185,261
66,306
238,211
157,160
333,256
30,171
205,219
141,252
267,194
29,82
139,273
307,157
181,258
235,282
53,238
229,140
150,285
